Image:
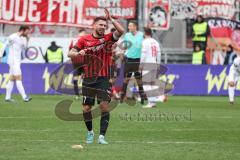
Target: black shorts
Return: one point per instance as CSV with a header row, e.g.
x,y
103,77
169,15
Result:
x,y
95,88
77,71
132,66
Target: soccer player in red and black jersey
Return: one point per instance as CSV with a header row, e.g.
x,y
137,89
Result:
x,y
96,48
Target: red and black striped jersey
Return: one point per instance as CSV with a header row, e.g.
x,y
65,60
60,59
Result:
x,y
98,57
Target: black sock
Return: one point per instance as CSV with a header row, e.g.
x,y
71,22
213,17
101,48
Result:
x,y
88,120
104,122
75,85
124,89
141,92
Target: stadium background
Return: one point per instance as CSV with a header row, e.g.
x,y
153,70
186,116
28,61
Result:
x,y
174,38
175,41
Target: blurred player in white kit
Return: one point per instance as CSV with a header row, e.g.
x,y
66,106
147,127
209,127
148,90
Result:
x,y
17,43
233,78
150,63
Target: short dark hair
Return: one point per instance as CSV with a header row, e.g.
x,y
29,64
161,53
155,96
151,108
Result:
x,y
24,28
200,16
99,18
148,31
133,22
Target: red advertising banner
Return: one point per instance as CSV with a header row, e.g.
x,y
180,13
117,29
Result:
x,y
157,14
77,13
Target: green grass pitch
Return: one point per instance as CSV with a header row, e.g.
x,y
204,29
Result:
x,y
184,128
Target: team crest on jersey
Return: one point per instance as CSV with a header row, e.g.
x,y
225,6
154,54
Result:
x,y
88,43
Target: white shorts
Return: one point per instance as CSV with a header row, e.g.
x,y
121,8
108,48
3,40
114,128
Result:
x,y
233,76
150,73
15,69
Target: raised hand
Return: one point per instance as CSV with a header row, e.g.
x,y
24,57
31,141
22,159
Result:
x,y
108,16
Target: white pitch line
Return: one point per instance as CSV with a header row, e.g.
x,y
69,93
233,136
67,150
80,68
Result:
x,y
43,117
119,130
119,141
25,130
36,140
223,117
163,142
46,117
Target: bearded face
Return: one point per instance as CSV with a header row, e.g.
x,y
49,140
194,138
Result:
x,y
100,27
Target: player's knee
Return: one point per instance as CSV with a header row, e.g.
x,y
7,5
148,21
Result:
x,y
86,108
104,106
231,84
12,78
18,78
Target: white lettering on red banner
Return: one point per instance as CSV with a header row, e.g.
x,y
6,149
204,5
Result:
x,y
118,8
208,8
62,12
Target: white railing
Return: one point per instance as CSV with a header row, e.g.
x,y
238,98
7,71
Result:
x,y
176,55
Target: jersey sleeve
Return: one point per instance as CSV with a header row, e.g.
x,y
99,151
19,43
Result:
x,y
79,45
111,38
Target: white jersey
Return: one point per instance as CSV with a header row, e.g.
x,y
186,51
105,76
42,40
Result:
x,y
150,51
234,73
17,44
236,64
